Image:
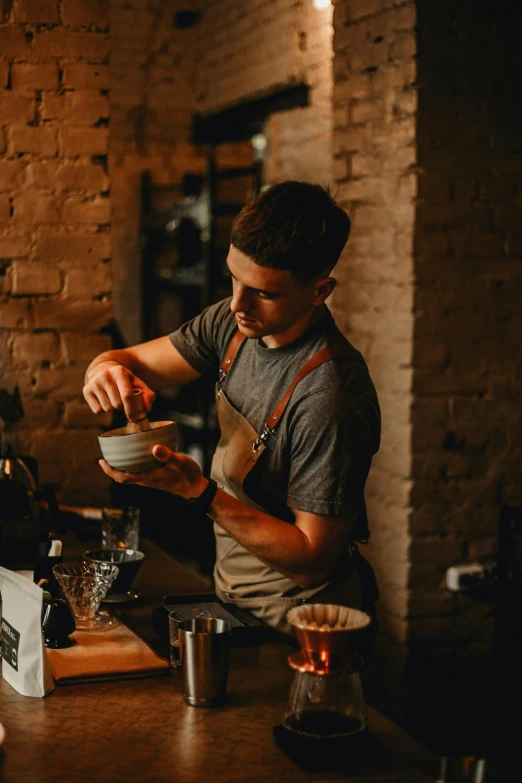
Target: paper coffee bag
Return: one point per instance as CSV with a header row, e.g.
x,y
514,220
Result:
x,y
24,658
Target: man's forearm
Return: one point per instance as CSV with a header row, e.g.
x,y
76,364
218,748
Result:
x,y
280,545
306,551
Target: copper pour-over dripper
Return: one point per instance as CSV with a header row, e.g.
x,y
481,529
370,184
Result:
x,y
332,638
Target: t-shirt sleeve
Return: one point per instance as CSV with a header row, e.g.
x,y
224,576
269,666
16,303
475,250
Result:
x,y
202,341
332,444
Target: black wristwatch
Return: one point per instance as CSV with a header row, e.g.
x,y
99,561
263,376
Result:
x,y
201,504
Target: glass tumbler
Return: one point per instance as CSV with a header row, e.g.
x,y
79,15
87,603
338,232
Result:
x,y
121,528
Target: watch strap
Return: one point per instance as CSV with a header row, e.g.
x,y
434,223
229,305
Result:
x,y
201,504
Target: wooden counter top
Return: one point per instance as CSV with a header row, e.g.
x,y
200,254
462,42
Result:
x,y
142,730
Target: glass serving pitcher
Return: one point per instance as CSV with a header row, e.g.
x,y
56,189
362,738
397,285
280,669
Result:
x,y
325,705
326,698
325,724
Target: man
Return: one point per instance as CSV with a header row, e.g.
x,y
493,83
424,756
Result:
x,y
287,482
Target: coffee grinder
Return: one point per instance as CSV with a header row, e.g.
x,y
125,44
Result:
x,y
325,721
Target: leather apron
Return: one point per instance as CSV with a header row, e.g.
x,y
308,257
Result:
x,y
241,578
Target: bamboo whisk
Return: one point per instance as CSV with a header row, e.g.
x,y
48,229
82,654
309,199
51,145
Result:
x,y
141,422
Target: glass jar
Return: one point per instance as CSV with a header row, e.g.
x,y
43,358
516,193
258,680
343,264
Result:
x,y
326,705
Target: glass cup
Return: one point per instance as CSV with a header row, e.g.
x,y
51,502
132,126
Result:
x,y
121,528
176,617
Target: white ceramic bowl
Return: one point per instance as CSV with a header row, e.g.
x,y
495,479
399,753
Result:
x,y
132,453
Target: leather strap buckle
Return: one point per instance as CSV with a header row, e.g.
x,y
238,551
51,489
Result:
x,y
221,379
262,439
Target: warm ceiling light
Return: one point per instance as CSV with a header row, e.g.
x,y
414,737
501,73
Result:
x,y
321,4
258,141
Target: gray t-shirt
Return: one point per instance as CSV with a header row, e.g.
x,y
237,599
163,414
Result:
x,y
320,456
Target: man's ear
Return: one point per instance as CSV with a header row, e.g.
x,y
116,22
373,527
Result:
x,y
323,289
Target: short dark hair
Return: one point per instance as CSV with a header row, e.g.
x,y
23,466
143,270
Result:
x,y
295,226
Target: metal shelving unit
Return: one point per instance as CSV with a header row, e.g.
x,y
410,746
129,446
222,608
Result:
x,y
187,286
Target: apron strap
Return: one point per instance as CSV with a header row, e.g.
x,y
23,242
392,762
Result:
x,y
325,355
322,356
230,355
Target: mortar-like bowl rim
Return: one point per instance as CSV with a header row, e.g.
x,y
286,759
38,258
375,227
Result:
x,y
122,431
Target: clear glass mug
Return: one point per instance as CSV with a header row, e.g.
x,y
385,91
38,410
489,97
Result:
x,y
120,528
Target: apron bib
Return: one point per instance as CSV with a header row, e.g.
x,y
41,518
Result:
x,y
239,576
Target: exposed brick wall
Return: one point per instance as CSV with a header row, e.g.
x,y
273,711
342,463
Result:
x,y
250,48
153,101
375,104
55,283
427,158
466,445
153,77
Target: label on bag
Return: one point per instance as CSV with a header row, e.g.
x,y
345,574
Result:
x,y
24,657
10,643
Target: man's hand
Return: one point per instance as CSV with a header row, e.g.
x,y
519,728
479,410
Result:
x,y
179,474
112,375
109,386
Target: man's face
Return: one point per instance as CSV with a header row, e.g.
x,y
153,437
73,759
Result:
x,y
269,304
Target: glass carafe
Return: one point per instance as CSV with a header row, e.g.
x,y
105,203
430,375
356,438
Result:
x,y
326,705
325,722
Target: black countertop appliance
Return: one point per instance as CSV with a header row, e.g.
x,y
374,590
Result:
x,y
25,522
